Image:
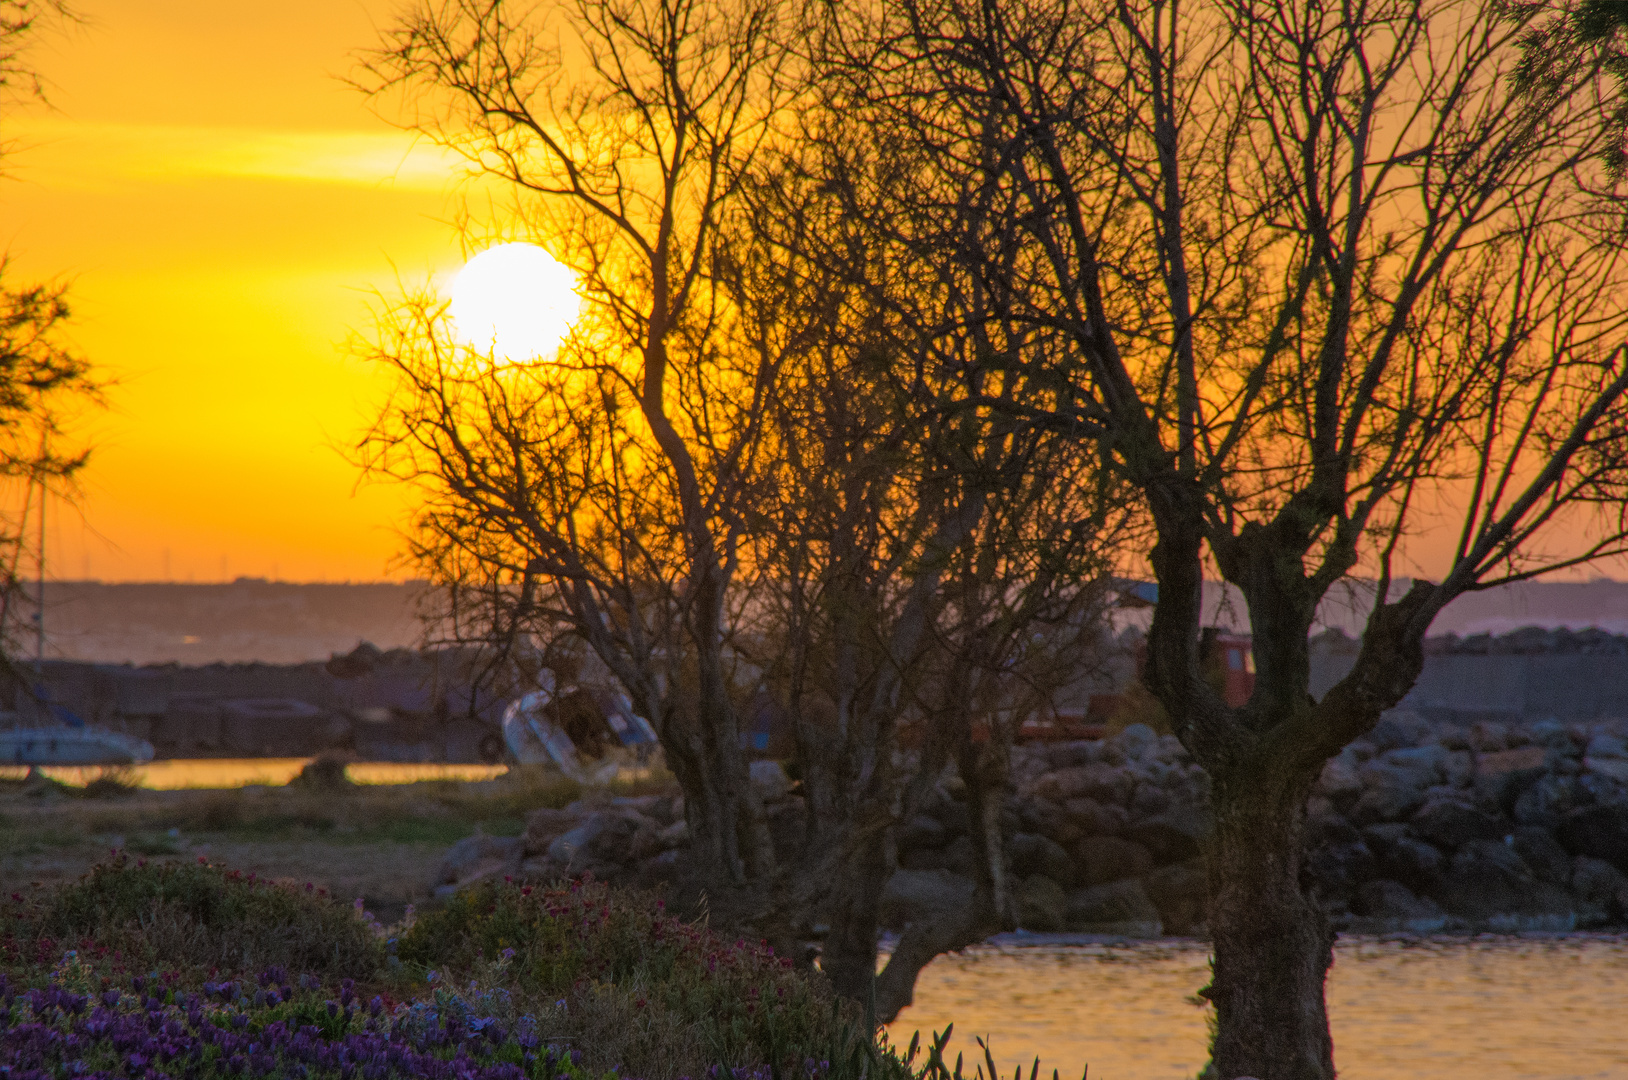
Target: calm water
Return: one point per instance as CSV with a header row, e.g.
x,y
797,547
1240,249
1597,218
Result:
x,y
1430,1010
238,772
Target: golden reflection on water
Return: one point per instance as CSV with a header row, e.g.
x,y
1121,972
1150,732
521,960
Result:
x,y
240,772
1482,1009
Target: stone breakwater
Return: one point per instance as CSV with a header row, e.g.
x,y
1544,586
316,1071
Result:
x,y
1420,827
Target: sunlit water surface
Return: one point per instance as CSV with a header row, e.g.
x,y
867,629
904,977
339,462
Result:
x,y
1481,1009
240,772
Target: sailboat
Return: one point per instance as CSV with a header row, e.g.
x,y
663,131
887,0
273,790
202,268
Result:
x,y
43,732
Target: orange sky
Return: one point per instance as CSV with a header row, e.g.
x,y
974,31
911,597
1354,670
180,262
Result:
x,y
222,205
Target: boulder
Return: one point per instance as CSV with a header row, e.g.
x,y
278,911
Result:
x,y
1553,735
1593,787
1606,745
1176,835
1600,832
1540,851
1399,729
1489,736
1136,741
1040,815
1614,769
1179,893
918,895
603,841
479,856
1119,907
1151,799
1448,819
1406,858
1489,883
1100,782
1042,904
1101,859
545,825
1034,854
1501,775
1087,817
1339,780
769,779
1601,888
1459,769
1392,905
1546,801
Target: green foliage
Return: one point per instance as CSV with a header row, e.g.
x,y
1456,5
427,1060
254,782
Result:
x,y
192,918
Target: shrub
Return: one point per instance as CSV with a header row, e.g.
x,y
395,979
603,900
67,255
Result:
x,y
670,996
182,916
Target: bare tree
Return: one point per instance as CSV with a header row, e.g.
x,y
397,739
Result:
x,y
602,487
929,566
1325,274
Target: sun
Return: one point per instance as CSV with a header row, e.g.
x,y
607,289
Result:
x,y
515,300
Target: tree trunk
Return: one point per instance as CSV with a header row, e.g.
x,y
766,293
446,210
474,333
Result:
x,y
848,957
1273,946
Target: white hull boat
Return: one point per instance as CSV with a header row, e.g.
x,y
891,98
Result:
x,y
71,746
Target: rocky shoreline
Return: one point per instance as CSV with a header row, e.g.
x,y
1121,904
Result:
x,y
1421,828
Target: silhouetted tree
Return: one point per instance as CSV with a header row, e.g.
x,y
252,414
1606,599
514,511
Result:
x,y
1315,278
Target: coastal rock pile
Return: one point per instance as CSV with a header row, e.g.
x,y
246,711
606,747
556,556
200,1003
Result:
x,y
1419,827
1494,826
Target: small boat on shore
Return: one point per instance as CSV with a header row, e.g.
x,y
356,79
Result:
x,y
54,745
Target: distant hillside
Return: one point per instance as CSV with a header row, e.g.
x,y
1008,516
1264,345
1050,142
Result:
x,y
247,620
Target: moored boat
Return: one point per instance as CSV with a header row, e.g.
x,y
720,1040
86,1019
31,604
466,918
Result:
x,y
51,745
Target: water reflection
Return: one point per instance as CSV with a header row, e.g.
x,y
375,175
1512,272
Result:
x,y
239,772
1492,1009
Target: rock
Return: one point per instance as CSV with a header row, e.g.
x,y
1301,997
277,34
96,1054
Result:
x,y
1600,832
1605,745
1151,799
604,840
1407,859
922,831
1546,801
1034,854
1394,905
916,895
1489,736
1396,781
1459,769
1502,775
1177,835
1041,815
1602,888
954,815
1119,907
1042,904
1339,780
770,780
1614,769
1541,852
1102,859
1598,788
543,826
1179,893
1452,820
1552,735
1101,783
478,856
1087,817
1136,741
1398,729
674,835
1488,882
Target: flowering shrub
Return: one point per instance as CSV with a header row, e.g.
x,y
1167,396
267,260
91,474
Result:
x,y
677,994
188,916
189,971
